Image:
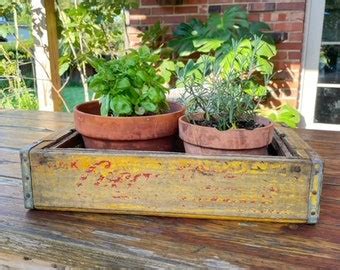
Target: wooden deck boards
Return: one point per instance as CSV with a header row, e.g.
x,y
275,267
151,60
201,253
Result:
x,y
59,239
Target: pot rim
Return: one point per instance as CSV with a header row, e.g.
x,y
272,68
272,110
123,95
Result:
x,y
184,119
181,108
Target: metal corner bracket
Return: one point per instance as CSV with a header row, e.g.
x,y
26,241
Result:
x,y
27,175
315,189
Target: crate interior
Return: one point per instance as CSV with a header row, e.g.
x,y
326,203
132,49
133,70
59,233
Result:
x,y
278,147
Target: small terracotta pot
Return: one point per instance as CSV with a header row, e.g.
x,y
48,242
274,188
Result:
x,y
151,133
200,140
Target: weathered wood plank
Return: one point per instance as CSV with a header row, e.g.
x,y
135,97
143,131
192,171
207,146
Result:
x,y
319,135
18,128
33,124
100,240
10,261
38,115
171,185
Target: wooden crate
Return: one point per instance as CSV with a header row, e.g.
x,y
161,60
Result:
x,y
59,174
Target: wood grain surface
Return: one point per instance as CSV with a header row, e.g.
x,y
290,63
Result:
x,y
63,240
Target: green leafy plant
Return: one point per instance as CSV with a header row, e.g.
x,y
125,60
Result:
x,y
154,37
130,85
284,114
228,89
14,92
219,30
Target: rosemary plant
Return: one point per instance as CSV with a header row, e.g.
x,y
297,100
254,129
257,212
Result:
x,y
227,90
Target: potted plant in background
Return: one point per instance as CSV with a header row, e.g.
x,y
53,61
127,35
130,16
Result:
x,y
132,112
222,94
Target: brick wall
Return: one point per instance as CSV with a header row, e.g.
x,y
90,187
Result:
x,y
282,15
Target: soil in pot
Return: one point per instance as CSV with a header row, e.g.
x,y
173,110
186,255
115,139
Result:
x,y
206,140
148,133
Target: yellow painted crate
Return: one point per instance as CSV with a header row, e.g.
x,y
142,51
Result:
x,y
59,174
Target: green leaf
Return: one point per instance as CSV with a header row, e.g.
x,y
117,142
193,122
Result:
x,y
286,115
185,34
207,45
105,105
155,95
123,83
142,75
149,106
139,110
121,105
64,67
255,90
144,51
256,28
166,68
264,49
264,66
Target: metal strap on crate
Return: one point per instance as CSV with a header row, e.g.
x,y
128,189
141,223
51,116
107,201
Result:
x,y
315,189
26,174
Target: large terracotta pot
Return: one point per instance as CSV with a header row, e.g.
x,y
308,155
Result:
x,y
200,140
151,133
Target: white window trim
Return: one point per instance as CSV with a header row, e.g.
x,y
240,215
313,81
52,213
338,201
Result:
x,y
310,65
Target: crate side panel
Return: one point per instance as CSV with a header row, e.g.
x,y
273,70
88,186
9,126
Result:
x,y
174,185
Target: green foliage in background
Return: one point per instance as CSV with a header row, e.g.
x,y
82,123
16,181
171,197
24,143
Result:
x,y
154,37
16,90
285,114
89,30
217,32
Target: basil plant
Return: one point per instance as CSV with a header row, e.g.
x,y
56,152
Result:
x,y
130,85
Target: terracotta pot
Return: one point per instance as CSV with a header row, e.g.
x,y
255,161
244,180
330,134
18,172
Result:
x,y
202,140
151,133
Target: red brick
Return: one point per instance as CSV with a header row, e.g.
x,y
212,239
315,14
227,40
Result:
x,y
275,16
194,2
288,26
203,18
291,6
289,46
140,11
137,17
248,1
254,17
295,37
173,19
203,9
284,92
297,16
219,1
225,7
186,9
294,68
150,20
149,2
262,7
294,55
266,17
134,22
133,30
282,17
162,10
272,102
281,55
283,84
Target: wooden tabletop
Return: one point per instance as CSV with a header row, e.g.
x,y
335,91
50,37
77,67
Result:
x,y
46,239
